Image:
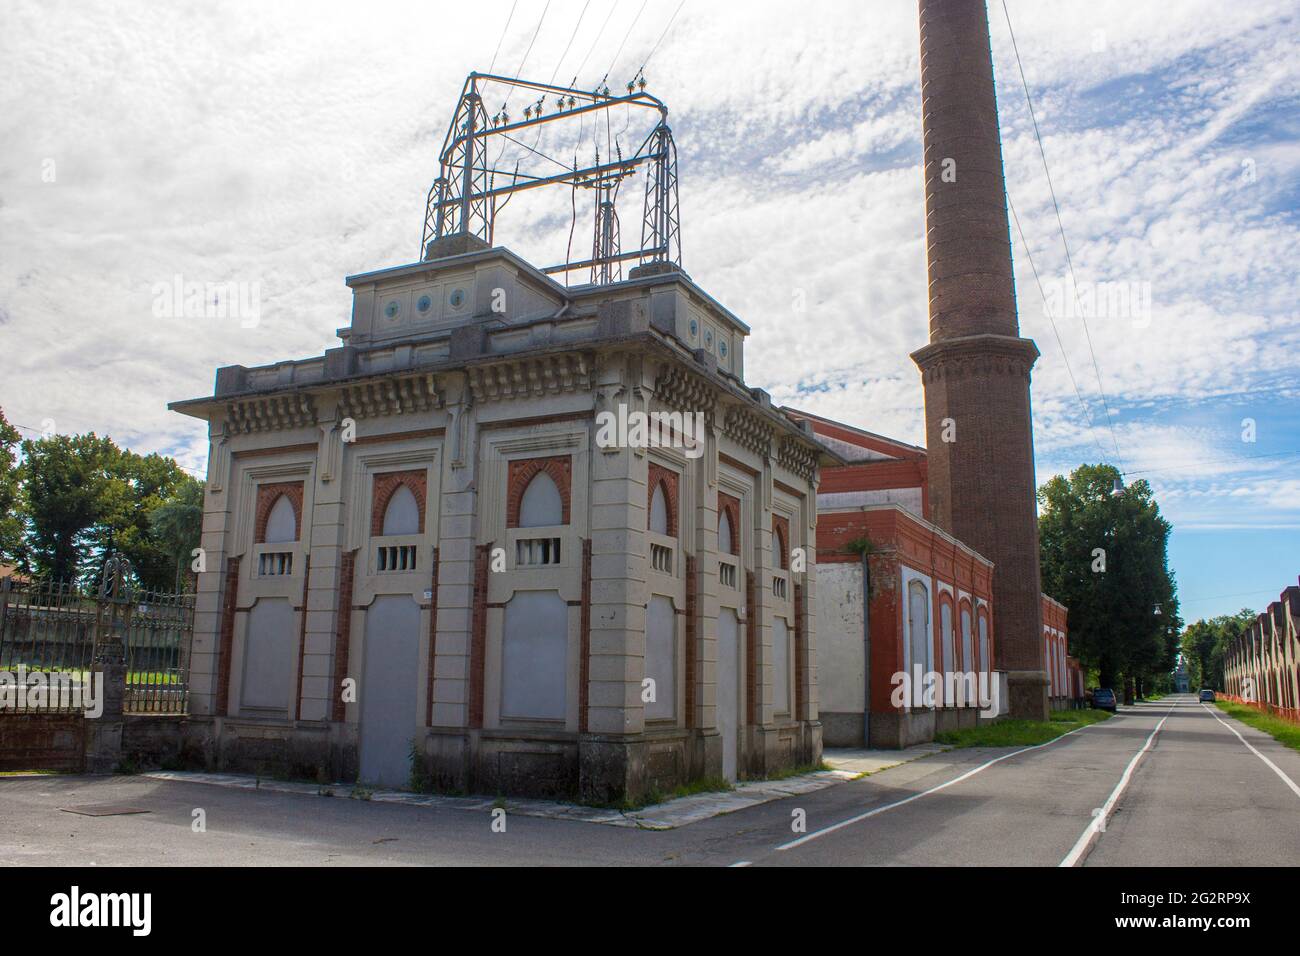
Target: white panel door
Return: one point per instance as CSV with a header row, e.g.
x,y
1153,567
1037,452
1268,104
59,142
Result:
x,y
389,692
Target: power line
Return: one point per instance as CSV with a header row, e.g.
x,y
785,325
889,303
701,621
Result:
x,y
599,34
661,38
573,36
501,38
619,52
1217,597
1064,357
1061,226
1213,461
540,21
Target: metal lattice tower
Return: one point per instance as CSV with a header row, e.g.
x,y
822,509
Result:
x,y
660,228
470,190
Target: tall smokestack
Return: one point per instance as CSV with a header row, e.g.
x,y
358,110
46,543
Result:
x,y
976,368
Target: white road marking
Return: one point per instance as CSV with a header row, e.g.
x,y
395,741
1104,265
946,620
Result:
x,y
917,796
1275,768
1098,824
742,863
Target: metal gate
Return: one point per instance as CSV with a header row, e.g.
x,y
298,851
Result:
x,y
55,629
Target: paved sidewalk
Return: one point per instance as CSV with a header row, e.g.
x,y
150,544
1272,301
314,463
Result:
x,y
860,762
660,816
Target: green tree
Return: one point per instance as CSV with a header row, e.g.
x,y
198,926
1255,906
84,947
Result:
x,y
137,486
1105,556
11,518
177,524
1205,643
66,491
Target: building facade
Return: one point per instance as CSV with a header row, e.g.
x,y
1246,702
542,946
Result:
x,y
931,603
444,554
1262,667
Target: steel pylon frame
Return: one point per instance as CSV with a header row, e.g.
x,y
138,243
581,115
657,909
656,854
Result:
x,y
464,197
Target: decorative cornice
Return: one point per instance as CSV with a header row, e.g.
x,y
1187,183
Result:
x,y
533,377
799,458
680,390
390,396
748,430
271,413
976,355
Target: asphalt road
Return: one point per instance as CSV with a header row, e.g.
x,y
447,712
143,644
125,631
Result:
x,y
1188,793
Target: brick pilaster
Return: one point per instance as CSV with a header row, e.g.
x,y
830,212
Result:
x,y
751,651
230,600
343,633
692,652
478,635
433,638
584,650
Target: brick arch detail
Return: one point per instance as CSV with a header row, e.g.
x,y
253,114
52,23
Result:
x,y
659,475
781,529
267,496
523,470
731,507
386,485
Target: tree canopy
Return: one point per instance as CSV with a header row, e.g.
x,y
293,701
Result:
x,y
1105,556
72,500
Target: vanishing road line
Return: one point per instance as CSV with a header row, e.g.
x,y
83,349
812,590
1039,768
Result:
x,y
1274,767
816,834
1098,824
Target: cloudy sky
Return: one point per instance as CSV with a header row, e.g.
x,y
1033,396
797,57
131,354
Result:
x,y
282,146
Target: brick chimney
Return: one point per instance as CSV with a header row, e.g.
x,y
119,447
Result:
x,y
979,432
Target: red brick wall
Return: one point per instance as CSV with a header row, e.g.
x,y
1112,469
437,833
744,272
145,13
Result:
x,y
731,506
522,471
226,639
659,475
343,633
386,484
267,496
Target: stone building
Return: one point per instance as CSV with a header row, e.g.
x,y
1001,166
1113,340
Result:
x,y
427,554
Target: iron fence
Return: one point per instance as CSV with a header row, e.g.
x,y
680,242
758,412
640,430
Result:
x,y
52,629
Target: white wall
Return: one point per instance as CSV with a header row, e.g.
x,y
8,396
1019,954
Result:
x,y
839,637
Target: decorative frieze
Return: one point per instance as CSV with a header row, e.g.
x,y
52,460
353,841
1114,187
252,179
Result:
x,y
271,413
799,458
748,430
531,378
683,391
391,396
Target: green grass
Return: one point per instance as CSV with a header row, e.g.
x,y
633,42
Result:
x,y
1021,733
1283,731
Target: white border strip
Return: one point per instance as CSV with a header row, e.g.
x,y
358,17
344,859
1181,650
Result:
x,y
1098,824
1274,767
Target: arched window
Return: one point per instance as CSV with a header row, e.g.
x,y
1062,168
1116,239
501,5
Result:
x,y
918,630
779,548
945,638
986,658
967,651
541,506
281,523
402,516
726,534
659,510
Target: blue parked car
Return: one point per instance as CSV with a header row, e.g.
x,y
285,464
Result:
x,y
1207,695
1103,698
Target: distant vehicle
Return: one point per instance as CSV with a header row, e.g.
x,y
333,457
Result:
x,y
1103,698
1207,694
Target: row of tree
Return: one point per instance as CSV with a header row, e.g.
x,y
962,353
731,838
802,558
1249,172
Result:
x,y
1205,643
1104,555
69,501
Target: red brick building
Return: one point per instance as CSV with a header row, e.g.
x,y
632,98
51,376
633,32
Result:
x,y
931,603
